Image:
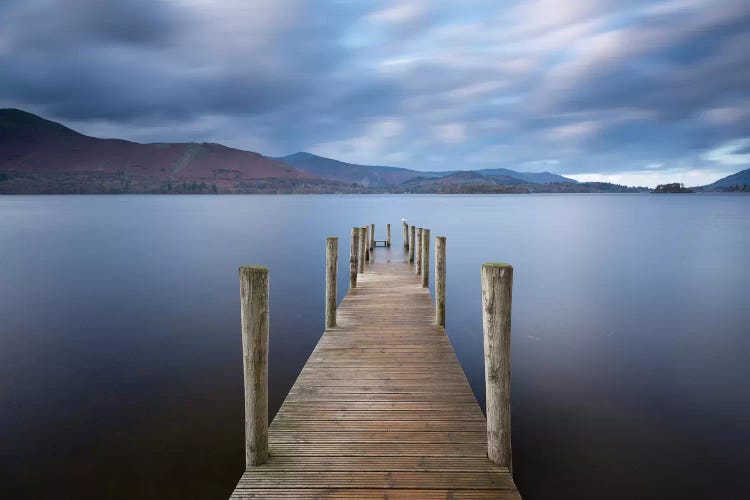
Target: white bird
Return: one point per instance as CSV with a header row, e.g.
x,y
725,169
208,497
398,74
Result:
x,y
403,220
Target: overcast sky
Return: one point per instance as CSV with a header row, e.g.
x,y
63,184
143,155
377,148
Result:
x,y
636,92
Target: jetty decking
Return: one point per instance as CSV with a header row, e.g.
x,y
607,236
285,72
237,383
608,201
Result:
x,y
382,408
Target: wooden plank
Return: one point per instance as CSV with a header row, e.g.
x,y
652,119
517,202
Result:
x,y
259,478
374,494
455,416
467,450
381,409
383,464
381,396
374,425
378,437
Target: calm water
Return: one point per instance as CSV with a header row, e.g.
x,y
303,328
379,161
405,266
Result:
x,y
120,353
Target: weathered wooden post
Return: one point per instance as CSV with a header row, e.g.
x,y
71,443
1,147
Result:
x,y
425,258
497,288
418,251
372,236
361,249
254,321
387,235
332,258
440,280
354,258
367,243
406,235
411,244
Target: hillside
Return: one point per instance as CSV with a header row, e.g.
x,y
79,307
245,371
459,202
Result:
x,y
38,155
42,156
532,177
335,170
380,176
455,180
735,182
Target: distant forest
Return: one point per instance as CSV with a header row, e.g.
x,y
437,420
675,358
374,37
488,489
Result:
x,y
122,183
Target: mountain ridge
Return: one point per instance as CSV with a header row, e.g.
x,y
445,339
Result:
x,y
38,155
332,169
379,175
44,152
738,181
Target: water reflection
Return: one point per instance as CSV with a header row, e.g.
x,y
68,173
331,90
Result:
x,y
120,354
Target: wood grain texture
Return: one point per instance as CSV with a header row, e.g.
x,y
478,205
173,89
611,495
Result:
x,y
362,243
354,257
382,408
368,246
497,287
332,264
254,294
418,251
425,250
411,243
440,269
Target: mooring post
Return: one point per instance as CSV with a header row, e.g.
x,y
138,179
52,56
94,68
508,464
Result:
x,y
425,258
405,228
418,251
367,242
411,244
497,288
254,321
361,249
372,236
440,280
354,258
332,257
387,235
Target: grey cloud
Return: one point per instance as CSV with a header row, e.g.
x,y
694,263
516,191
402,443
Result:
x,y
530,83
50,24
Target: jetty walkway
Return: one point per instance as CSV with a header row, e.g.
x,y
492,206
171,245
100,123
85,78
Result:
x,y
382,408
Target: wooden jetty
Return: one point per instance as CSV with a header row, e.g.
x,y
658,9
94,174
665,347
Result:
x,y
382,408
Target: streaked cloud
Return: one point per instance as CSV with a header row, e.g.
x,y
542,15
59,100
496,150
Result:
x,y
605,88
731,153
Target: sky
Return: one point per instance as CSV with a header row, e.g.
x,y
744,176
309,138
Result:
x,y
633,92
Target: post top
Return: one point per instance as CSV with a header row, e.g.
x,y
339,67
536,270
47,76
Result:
x,y
254,269
497,264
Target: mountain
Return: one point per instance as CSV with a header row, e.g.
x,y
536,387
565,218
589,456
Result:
x,y
735,182
36,155
42,156
335,170
458,178
379,176
532,177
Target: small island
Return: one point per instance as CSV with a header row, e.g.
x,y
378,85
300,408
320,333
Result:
x,y
674,187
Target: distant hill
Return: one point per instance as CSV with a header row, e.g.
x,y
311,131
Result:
x,y
735,182
335,170
42,156
459,178
38,155
533,177
473,182
380,176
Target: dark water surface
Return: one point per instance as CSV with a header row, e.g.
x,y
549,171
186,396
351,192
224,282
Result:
x,y
120,352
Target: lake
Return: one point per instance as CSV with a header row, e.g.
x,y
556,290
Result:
x,y
120,349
